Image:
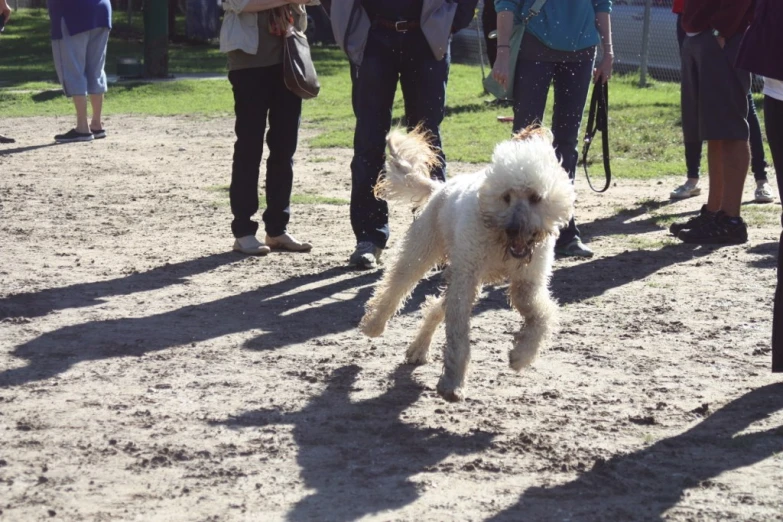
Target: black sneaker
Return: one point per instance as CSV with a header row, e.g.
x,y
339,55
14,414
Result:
x,y
73,135
723,230
704,217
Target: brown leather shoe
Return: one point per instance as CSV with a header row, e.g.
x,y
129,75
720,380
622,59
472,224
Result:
x,y
287,242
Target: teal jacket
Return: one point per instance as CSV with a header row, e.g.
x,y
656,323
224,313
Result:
x,y
565,25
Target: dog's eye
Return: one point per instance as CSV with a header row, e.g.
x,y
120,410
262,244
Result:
x,y
535,198
507,197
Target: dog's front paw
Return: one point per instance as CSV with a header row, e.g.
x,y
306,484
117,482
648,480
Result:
x,y
450,392
523,354
417,354
371,327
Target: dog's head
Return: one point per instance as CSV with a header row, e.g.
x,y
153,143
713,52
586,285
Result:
x,y
526,195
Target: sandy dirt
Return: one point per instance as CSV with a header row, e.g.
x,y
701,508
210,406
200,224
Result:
x,y
149,373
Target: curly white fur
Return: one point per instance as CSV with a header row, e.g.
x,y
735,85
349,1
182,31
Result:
x,y
496,225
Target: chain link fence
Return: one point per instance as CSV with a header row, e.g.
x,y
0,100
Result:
x,y
644,34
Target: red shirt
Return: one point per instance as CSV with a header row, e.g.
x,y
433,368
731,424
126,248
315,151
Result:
x,y
729,17
678,6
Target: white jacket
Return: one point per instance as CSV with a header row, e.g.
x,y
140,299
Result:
x,y
240,30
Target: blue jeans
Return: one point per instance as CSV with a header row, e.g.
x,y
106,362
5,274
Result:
x,y
571,83
259,93
389,57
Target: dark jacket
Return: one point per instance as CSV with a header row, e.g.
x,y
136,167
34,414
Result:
x,y
439,19
760,49
729,17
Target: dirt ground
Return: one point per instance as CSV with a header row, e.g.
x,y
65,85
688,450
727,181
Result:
x,y
149,373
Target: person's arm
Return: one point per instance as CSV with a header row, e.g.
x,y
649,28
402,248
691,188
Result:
x,y
505,25
466,9
729,18
603,70
5,11
254,6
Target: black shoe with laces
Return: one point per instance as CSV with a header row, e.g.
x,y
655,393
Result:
x,y
704,217
723,230
73,135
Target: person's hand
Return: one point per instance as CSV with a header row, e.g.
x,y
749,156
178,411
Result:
x,y
501,68
603,71
721,41
5,10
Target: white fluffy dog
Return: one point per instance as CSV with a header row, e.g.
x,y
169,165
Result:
x,y
493,226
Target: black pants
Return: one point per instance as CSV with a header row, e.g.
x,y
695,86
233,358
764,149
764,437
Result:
x,y
259,93
773,121
571,82
390,58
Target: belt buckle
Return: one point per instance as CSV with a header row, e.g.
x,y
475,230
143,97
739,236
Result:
x,y
397,26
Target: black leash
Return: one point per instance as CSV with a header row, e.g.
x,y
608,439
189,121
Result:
x,y
598,120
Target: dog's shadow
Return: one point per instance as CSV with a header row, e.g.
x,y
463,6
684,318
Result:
x,y
360,456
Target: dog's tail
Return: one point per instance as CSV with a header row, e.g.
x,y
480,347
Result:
x,y
406,176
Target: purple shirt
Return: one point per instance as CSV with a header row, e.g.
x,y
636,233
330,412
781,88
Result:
x,y
79,16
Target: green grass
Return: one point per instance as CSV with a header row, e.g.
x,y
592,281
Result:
x,y
646,141
27,53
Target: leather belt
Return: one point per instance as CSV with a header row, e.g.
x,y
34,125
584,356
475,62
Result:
x,y
401,26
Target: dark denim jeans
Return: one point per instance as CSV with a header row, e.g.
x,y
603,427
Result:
x,y
389,57
259,93
571,82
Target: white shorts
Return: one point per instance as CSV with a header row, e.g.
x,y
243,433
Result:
x,y
80,60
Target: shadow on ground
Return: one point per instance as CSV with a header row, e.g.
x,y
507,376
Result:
x,y
644,484
286,316
359,457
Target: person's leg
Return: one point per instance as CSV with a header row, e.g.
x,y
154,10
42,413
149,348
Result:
x,y
423,83
692,148
736,160
571,84
251,108
722,112
773,124
95,73
531,87
285,109
70,58
758,162
96,102
375,85
715,164
80,104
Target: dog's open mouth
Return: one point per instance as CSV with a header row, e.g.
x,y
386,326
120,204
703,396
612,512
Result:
x,y
521,248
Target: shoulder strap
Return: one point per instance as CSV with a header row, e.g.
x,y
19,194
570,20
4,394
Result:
x,y
533,11
598,120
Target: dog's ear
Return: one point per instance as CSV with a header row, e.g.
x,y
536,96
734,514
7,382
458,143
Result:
x,y
533,131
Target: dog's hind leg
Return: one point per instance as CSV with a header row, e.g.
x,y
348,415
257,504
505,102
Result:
x,y
460,296
540,313
418,253
434,313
